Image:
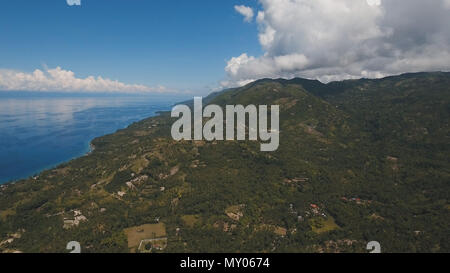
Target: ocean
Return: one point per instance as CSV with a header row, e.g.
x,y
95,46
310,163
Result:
x,y
41,131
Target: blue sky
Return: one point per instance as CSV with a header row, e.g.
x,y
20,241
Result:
x,y
179,44
205,45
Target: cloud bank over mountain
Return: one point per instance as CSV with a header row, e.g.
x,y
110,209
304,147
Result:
x,y
60,80
341,39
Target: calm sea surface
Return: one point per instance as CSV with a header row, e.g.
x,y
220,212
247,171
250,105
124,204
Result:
x,y
40,132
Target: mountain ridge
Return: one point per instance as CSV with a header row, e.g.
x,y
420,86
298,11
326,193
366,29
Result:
x,y
366,163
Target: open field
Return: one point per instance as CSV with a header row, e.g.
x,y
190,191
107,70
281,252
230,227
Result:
x,y
145,232
5,213
321,225
190,220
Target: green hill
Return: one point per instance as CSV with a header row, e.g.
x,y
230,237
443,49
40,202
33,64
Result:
x,y
359,161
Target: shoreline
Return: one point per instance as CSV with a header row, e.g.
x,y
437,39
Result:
x,y
90,149
53,166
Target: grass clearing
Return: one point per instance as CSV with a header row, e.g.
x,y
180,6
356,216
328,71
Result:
x,y
321,225
139,165
280,231
145,232
190,220
5,213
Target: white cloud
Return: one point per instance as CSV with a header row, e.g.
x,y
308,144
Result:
x,y
265,66
245,11
447,3
337,39
73,2
374,2
60,80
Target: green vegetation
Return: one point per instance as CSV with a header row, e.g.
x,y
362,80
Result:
x,y
321,225
190,220
359,161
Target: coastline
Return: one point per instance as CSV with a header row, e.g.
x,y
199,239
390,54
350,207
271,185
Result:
x,y
90,148
47,168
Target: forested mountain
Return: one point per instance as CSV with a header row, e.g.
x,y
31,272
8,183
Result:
x,y
359,160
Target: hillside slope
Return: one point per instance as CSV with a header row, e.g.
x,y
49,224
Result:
x,y
359,161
